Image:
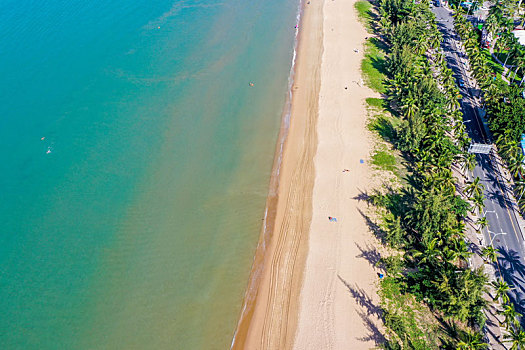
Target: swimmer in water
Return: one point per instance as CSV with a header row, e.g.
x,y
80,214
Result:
x,y
252,84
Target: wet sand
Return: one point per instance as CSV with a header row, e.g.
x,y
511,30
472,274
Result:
x,y
271,305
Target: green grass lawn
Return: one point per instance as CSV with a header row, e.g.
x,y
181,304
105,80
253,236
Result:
x,y
498,68
384,159
364,11
373,65
502,56
493,64
376,102
382,123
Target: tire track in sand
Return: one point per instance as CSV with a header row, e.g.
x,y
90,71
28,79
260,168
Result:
x,y
294,226
293,230
279,296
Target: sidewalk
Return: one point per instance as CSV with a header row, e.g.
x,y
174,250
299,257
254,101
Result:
x,y
476,242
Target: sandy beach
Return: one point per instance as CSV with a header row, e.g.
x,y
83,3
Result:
x,y
338,300
313,285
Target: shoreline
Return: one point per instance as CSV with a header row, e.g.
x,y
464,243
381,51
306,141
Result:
x,y
269,313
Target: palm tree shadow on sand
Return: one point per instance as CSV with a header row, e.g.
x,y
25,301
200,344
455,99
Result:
x,y
370,311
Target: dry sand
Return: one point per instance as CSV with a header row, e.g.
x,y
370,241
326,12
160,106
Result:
x,y
338,300
311,287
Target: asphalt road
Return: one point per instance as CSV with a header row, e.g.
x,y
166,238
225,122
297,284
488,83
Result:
x,y
503,231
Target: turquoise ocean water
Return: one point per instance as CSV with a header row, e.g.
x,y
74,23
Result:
x,y
132,224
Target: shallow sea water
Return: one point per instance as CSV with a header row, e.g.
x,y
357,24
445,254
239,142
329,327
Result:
x,y
134,167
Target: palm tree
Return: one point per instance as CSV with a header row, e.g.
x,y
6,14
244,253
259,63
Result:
x,y
492,94
428,256
444,181
490,253
510,53
502,288
478,202
511,315
475,188
471,341
520,60
455,255
516,165
521,204
469,162
492,26
459,129
503,142
444,284
482,222
517,337
519,187
409,106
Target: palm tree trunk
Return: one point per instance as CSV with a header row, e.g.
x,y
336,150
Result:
x,y
505,63
515,73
